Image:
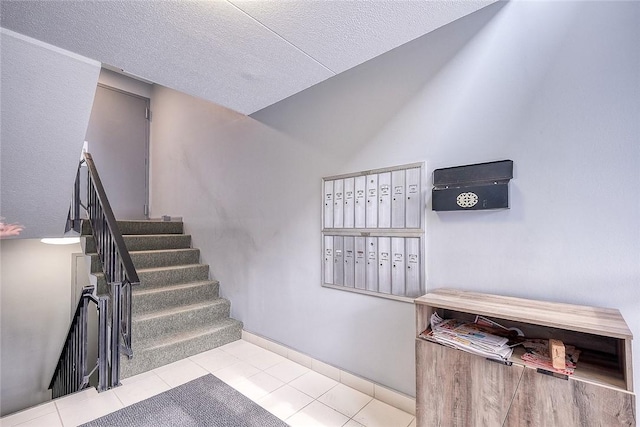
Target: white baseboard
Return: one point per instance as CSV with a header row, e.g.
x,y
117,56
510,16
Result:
x,y
377,391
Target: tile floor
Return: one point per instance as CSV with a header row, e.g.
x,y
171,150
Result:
x,y
294,393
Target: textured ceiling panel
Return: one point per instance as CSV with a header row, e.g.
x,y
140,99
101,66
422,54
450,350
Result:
x,y
208,49
244,55
343,34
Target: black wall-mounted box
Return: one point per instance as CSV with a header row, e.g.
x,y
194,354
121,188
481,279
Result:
x,y
472,187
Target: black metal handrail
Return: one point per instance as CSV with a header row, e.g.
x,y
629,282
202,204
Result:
x,y
73,371
118,270
116,261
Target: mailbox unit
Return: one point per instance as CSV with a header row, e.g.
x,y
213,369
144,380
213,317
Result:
x,y
373,232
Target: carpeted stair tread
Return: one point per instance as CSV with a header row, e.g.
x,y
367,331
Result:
x,y
164,340
181,309
164,257
162,276
179,319
142,242
169,267
146,300
150,227
156,258
153,252
140,291
161,251
142,227
162,350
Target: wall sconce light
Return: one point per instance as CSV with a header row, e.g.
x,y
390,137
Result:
x,y
61,240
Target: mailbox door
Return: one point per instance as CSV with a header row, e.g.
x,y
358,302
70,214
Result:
x,y
372,201
328,204
361,265
397,198
349,261
384,200
360,203
384,265
338,260
349,202
338,203
412,277
413,195
397,266
372,264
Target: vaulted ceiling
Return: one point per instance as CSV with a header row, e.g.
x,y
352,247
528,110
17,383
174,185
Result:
x,y
244,55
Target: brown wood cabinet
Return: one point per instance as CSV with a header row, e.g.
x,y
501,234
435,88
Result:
x,y
456,388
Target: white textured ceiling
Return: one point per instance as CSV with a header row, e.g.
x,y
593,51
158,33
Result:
x,y
244,55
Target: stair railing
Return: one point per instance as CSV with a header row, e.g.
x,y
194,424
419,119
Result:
x,y
74,370
118,270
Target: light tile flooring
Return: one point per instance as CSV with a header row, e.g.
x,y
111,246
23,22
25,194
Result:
x,y
291,391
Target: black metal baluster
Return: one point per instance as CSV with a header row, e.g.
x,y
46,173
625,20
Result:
x,y
72,371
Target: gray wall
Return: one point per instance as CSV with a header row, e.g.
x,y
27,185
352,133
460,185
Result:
x,y
553,86
47,94
35,310
124,83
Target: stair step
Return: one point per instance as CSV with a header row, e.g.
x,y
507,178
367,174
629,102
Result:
x,y
145,242
154,259
154,277
179,319
164,276
142,227
151,227
160,351
164,258
141,242
149,300
85,230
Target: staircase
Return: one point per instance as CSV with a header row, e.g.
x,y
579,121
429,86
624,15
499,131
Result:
x,y
177,311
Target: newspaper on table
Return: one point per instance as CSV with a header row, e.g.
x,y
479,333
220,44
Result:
x,y
470,337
